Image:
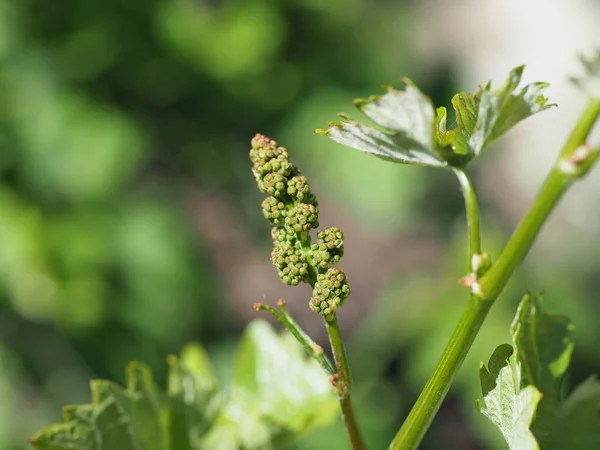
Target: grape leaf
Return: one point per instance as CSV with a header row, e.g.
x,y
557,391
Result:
x,y
117,418
192,389
530,380
275,395
544,344
508,406
484,117
274,379
411,133
589,83
407,117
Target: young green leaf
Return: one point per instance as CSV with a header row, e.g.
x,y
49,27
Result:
x,y
544,344
504,402
192,389
286,386
130,418
543,347
407,117
276,394
413,135
484,117
589,82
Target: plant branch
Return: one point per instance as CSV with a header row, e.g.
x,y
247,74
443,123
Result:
x,y
311,347
567,169
418,421
340,378
571,164
343,382
472,210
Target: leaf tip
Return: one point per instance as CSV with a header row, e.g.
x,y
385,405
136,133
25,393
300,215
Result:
x,y
407,81
360,102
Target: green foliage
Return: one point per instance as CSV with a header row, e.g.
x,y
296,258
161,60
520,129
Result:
x,y
506,403
109,110
274,396
516,389
543,345
484,117
412,135
406,115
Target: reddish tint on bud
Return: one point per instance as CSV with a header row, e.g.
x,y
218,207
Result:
x,y
299,190
330,292
290,263
267,157
329,248
302,217
274,210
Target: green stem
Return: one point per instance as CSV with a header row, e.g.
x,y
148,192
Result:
x,y
340,379
565,171
493,282
343,382
311,347
557,182
418,421
472,210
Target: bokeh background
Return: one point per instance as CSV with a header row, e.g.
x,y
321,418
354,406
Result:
x,y
130,223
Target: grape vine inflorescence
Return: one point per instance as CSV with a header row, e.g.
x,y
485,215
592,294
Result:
x,y
292,210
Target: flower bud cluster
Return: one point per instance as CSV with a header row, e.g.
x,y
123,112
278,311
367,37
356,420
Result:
x,y
329,248
301,218
290,262
330,292
267,157
292,210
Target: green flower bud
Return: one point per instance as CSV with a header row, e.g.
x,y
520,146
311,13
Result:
x,y
268,157
274,184
330,292
329,248
274,210
299,190
280,234
302,217
290,263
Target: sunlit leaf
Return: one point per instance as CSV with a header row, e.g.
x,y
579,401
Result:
x,y
544,344
524,401
274,376
276,394
484,117
407,117
411,134
508,406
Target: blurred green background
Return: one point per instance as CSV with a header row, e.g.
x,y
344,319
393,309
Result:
x,y
130,223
